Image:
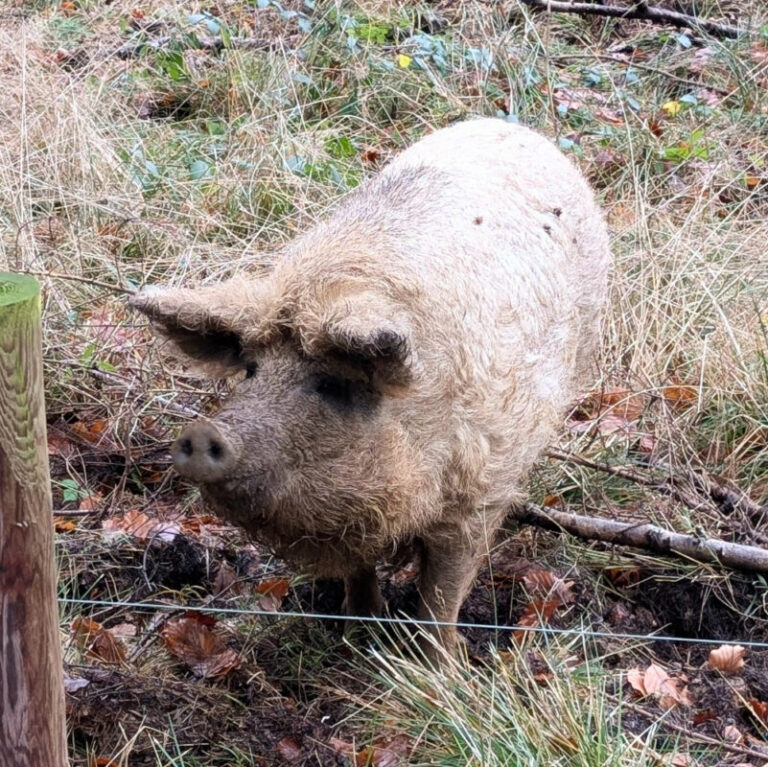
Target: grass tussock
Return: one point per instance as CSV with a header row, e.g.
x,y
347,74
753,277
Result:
x,y
170,142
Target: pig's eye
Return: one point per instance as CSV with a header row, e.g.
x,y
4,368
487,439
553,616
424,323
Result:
x,y
250,370
334,389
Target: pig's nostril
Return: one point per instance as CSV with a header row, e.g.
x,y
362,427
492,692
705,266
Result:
x,y
185,446
215,450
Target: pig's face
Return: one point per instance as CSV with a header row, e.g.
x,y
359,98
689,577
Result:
x,y
311,442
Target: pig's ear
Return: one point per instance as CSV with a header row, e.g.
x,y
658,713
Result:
x,y
206,324
384,343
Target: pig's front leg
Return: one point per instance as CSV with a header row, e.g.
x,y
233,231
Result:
x,y
363,596
448,568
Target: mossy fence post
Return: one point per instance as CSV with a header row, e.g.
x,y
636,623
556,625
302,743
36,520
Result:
x,y
32,729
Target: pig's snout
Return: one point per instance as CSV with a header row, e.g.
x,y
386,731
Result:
x,y
205,452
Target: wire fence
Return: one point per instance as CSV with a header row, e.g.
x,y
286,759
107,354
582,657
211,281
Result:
x,y
403,621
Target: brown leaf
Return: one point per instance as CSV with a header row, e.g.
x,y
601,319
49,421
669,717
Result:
x,y
657,682
546,584
226,579
341,747
196,645
92,432
370,156
680,397
727,658
272,592
537,612
133,522
707,715
289,749
624,576
732,734
141,527
759,709
96,641
384,753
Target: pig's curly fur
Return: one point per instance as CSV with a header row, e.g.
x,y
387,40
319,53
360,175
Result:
x,y
482,254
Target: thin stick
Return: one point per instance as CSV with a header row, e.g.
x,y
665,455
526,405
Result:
x,y
732,747
641,11
86,280
726,498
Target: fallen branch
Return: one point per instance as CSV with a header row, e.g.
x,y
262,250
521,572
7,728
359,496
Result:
x,y
641,11
646,536
726,499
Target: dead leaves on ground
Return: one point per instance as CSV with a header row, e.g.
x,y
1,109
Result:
x,y
194,640
669,691
97,642
384,753
550,593
727,658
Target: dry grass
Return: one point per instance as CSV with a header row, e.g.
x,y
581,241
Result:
x,y
180,165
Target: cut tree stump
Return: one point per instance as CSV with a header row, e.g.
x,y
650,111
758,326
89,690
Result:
x,y
32,726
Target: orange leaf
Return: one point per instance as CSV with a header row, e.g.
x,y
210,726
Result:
x,y
759,709
727,658
680,397
62,525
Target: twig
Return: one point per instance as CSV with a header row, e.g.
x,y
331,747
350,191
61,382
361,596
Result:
x,y
646,536
699,737
726,499
641,11
129,386
632,64
78,278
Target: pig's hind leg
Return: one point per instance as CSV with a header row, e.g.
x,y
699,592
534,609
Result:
x,y
363,596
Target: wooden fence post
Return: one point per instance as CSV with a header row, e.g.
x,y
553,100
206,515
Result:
x,y
32,727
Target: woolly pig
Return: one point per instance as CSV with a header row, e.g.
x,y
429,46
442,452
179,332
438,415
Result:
x,y
406,361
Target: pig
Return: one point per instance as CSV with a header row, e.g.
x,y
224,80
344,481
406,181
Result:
x,y
403,362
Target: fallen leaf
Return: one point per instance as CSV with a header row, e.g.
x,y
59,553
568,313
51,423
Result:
x,y
707,715
624,576
655,681
289,749
759,709
727,658
548,585
62,525
680,397
96,641
672,108
92,432
681,760
272,592
133,522
732,734
199,647
537,612
370,156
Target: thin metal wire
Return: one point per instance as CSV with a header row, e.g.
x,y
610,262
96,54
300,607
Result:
x,y
410,622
